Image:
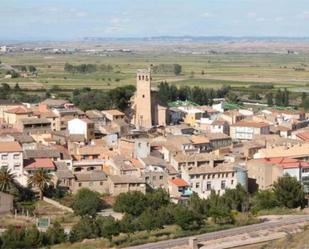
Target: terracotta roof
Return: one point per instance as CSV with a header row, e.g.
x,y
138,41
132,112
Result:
x,y
199,139
10,147
19,110
179,182
250,124
303,136
39,163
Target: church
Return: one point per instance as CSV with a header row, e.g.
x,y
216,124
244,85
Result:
x,y
147,112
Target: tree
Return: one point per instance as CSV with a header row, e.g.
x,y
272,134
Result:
x,y
40,179
26,238
108,227
264,199
128,224
7,180
196,204
133,203
150,220
177,69
237,199
87,203
158,198
86,228
187,219
55,234
289,192
305,103
219,211
269,97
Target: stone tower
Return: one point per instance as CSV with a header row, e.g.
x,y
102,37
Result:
x,y
143,110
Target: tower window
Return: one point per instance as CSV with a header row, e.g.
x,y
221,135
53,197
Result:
x,y
143,77
143,96
139,77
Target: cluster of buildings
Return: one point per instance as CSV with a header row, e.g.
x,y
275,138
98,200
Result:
x,y
183,149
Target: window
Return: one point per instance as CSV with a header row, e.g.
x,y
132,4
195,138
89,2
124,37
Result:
x,y
223,184
4,157
80,184
161,177
16,166
16,156
208,186
232,182
147,178
197,185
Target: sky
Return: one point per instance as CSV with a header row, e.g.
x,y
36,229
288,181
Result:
x,y
75,19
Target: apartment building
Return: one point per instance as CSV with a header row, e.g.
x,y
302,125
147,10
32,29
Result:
x,y
246,130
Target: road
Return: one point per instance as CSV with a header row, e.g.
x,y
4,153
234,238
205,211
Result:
x,y
224,233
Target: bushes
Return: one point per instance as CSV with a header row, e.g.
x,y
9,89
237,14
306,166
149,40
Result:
x,y
87,203
86,228
135,203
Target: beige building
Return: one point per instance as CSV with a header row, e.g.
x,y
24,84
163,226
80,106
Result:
x,y
147,112
123,184
14,115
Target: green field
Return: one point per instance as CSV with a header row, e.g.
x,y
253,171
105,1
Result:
x,y
235,69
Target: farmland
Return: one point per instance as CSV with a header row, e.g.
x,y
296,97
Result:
x,y
211,70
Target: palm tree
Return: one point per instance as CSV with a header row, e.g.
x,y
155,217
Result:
x,y
7,179
40,179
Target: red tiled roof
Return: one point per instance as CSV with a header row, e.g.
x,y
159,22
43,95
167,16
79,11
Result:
x,y
285,162
179,182
303,135
137,164
19,110
251,124
39,163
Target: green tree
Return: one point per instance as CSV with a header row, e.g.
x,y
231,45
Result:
x,y
187,219
150,220
133,203
55,234
108,227
289,192
177,69
196,204
305,103
40,179
269,97
158,198
86,228
264,199
218,209
128,224
26,238
87,203
7,180
237,199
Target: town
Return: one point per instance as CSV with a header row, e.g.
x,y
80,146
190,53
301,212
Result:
x,y
186,150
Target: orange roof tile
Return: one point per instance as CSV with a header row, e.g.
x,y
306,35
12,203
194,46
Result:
x,y
19,110
179,182
10,147
39,163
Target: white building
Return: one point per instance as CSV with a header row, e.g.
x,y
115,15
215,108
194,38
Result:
x,y
205,179
11,157
82,127
246,130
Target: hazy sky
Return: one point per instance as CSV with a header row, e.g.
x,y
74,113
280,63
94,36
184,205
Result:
x,y
74,19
